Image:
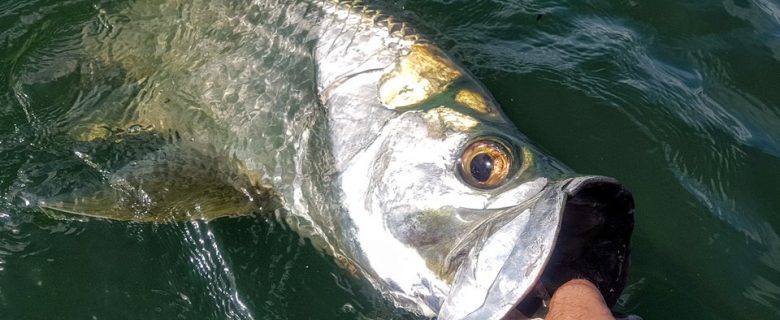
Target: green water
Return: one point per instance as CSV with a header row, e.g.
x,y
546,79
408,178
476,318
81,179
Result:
x,y
680,100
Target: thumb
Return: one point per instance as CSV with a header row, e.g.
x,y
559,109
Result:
x,y
578,299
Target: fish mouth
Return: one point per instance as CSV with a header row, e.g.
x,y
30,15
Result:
x,y
577,228
593,242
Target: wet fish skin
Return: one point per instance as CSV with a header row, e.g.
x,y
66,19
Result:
x,y
401,112
358,125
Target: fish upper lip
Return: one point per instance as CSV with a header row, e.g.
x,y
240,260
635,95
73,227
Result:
x,y
586,227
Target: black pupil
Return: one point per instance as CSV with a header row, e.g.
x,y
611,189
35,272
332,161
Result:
x,y
481,167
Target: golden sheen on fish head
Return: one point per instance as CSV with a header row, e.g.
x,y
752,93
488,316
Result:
x,y
452,211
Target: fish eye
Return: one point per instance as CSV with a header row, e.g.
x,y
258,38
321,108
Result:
x,y
485,163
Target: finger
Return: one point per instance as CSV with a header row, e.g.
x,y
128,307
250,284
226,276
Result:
x,y
578,299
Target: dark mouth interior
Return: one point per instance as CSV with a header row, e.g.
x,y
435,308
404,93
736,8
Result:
x,y
593,243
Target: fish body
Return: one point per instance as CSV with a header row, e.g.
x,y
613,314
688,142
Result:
x,y
373,142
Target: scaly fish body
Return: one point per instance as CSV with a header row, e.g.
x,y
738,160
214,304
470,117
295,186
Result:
x,y
379,147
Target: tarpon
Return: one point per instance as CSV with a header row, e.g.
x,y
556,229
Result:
x,y
358,132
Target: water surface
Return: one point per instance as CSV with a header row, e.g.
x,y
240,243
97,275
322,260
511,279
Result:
x,y
677,99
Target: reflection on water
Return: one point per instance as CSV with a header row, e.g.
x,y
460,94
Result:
x,y
677,100
207,261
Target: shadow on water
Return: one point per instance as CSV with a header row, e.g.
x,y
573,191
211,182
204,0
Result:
x,y
677,100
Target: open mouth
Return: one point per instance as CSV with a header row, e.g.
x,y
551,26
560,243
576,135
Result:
x,y
578,228
593,243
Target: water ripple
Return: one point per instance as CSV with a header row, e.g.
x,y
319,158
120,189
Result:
x,y
681,83
208,262
764,16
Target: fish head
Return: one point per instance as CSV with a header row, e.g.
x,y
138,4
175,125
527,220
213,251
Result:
x,y
493,219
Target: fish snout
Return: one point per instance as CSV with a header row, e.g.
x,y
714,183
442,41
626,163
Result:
x,y
576,228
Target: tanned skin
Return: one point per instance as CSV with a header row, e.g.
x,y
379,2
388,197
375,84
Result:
x,y
578,299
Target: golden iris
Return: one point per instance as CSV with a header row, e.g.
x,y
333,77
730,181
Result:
x,y
485,164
